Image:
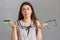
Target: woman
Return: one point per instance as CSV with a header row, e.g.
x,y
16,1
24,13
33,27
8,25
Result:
x,y
27,26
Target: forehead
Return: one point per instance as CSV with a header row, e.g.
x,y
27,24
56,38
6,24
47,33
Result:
x,y
26,6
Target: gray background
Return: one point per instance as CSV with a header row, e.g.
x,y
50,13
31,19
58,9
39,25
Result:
x,y
44,9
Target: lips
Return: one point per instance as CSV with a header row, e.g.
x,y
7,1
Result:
x,y
26,14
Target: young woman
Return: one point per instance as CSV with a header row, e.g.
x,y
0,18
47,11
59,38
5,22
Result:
x,y
27,26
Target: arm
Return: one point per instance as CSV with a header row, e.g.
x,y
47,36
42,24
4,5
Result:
x,y
41,25
14,34
14,30
39,33
18,34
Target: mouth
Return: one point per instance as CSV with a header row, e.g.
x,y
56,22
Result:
x,y
26,14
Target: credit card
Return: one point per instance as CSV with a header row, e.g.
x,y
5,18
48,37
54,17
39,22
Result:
x,y
6,21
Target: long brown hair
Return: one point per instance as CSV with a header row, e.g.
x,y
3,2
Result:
x,y
20,16
33,17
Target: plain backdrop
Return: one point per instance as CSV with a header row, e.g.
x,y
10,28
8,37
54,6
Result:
x,y
44,10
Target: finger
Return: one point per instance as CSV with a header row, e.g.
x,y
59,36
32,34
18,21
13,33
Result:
x,y
46,24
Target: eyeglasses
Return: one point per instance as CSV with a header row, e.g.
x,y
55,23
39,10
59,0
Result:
x,y
52,20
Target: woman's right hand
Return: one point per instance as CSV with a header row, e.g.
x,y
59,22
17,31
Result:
x,y
12,24
14,35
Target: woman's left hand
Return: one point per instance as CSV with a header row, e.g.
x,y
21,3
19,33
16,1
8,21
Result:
x,y
39,25
44,24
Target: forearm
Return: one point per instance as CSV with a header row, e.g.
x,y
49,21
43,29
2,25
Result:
x,y
39,34
14,34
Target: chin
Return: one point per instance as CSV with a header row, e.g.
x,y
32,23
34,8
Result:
x,y
27,16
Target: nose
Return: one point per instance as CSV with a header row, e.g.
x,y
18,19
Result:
x,y
25,11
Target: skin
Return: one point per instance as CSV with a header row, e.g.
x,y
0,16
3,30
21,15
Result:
x,y
26,12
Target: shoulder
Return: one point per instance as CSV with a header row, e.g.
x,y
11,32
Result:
x,y
16,23
38,23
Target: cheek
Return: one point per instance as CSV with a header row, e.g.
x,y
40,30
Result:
x,y
30,12
22,13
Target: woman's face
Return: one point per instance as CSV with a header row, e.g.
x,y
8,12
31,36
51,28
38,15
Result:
x,y
26,11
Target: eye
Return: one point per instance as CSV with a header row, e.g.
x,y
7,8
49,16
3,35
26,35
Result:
x,y
23,9
27,8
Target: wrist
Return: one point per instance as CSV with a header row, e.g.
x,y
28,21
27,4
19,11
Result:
x,y
13,28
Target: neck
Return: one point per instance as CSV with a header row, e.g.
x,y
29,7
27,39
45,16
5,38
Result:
x,y
27,20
